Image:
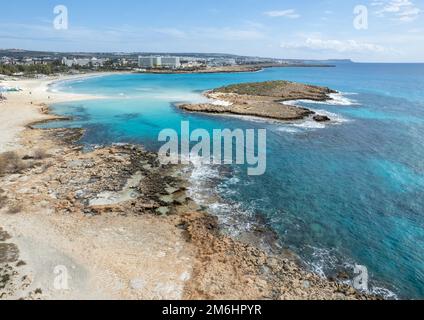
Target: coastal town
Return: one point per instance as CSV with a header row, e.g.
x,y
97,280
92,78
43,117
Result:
x,y
20,63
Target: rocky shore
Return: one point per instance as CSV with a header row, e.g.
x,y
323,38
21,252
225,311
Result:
x,y
263,100
126,183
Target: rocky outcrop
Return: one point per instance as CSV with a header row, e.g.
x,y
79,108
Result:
x,y
229,269
268,110
320,118
262,99
223,268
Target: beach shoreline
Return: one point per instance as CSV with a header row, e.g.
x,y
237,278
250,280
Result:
x,y
31,101
184,255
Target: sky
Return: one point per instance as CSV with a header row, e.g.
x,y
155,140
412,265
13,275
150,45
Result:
x,y
361,30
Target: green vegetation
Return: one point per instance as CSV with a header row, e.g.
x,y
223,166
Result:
x,y
258,89
285,90
32,69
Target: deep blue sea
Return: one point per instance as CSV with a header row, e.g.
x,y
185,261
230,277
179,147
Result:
x,y
344,193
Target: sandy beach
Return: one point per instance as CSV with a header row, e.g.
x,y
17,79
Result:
x,y
23,107
68,229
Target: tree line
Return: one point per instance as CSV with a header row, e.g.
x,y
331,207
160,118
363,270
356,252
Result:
x,y
47,69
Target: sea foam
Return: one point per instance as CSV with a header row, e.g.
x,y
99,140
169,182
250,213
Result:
x,y
337,99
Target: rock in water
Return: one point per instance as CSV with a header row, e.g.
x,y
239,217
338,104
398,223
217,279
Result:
x,y
320,118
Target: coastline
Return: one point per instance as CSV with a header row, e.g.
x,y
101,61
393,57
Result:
x,y
93,242
31,102
234,69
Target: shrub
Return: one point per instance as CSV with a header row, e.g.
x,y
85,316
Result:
x,y
40,154
10,162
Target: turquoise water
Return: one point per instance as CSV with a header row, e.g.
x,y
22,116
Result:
x,y
345,193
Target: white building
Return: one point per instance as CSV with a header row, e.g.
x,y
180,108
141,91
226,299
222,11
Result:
x,y
27,61
149,62
5,60
171,62
218,62
83,62
157,62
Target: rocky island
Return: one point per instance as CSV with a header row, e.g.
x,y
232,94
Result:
x,y
263,100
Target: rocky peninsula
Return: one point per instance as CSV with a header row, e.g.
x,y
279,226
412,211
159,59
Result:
x,y
263,100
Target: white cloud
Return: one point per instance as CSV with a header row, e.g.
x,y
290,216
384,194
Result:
x,y
341,46
290,13
401,10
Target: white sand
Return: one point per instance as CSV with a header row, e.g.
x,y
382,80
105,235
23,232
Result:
x,y
23,107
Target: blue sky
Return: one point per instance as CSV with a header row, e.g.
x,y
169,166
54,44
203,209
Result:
x,y
309,29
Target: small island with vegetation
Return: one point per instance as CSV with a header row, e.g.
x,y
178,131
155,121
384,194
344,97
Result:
x,y
263,100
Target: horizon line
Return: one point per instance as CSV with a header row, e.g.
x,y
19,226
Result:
x,y
209,53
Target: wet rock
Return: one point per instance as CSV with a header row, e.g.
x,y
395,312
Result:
x,y
321,118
